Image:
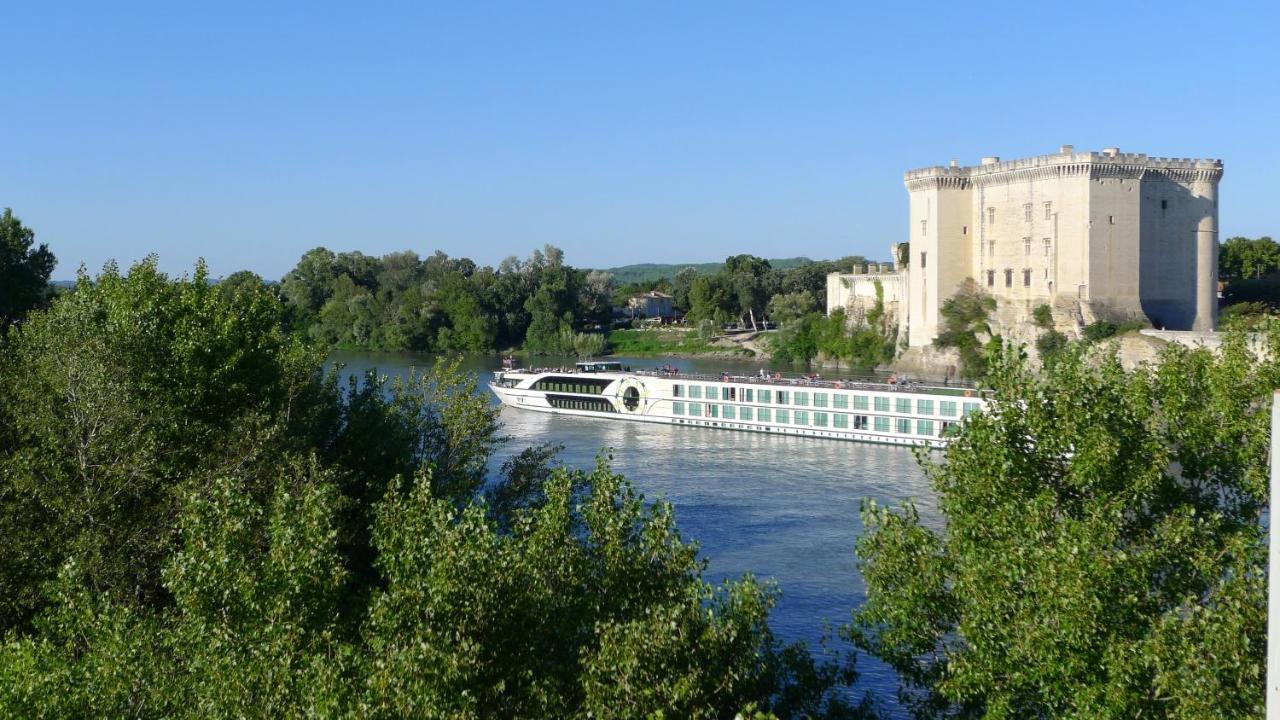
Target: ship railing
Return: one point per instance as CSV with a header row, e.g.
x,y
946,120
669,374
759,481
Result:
x,y
778,380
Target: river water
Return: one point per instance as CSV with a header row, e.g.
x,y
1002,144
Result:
x,y
778,507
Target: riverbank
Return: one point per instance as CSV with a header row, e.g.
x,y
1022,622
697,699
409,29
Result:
x,y
685,343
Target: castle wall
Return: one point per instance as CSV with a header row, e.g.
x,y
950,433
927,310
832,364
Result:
x,y
1113,217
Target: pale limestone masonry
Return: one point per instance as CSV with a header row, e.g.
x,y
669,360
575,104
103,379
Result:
x,y
1093,234
856,293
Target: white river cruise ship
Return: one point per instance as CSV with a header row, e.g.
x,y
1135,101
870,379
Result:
x,y
866,410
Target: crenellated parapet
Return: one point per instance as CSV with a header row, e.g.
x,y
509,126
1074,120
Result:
x,y
1092,165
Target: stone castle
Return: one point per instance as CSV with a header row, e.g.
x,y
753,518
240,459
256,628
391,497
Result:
x,y
1106,235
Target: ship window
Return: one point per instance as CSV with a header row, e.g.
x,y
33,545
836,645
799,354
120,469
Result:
x,y
713,410
726,411
676,390
677,408
859,402
695,392
802,398
882,404
924,407
924,427
695,409
783,417
784,397
840,401
902,405
859,422
711,392
765,396
744,413
882,423
840,421
728,393
902,426
762,414
802,417
947,408
820,419
970,408
746,395
819,399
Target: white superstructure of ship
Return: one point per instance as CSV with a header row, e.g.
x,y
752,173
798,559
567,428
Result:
x,y
868,410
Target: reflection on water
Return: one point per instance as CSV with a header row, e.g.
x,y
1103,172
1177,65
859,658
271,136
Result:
x,y
778,507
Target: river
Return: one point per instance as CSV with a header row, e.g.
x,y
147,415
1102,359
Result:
x,y
780,508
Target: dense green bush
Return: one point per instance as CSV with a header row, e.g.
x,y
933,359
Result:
x,y
964,316
1101,554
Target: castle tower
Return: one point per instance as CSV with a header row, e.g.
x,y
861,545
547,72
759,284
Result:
x,y
1115,235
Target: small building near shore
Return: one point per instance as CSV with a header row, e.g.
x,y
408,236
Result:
x,y
652,304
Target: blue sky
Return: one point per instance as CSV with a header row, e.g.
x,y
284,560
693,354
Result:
x,y
657,132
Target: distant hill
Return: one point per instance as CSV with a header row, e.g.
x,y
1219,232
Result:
x,y
648,272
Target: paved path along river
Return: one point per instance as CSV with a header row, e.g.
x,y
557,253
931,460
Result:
x,y
778,507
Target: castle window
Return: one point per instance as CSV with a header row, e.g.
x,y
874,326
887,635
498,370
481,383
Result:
x,y
1164,204
964,229
924,260
1048,211
991,216
1048,247
1026,246
1026,212
1111,219
1026,277
991,278
1008,278
924,227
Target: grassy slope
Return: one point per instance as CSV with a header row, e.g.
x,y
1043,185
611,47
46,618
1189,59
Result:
x,y
664,342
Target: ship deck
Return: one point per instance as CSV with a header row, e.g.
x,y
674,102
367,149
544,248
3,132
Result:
x,y
957,389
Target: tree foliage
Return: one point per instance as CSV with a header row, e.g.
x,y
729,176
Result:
x,y
196,520
1101,555
964,317
443,304
1240,258
24,270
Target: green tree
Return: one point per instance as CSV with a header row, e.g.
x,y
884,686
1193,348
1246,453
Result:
x,y
1241,257
1101,554
108,397
788,307
24,270
964,316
